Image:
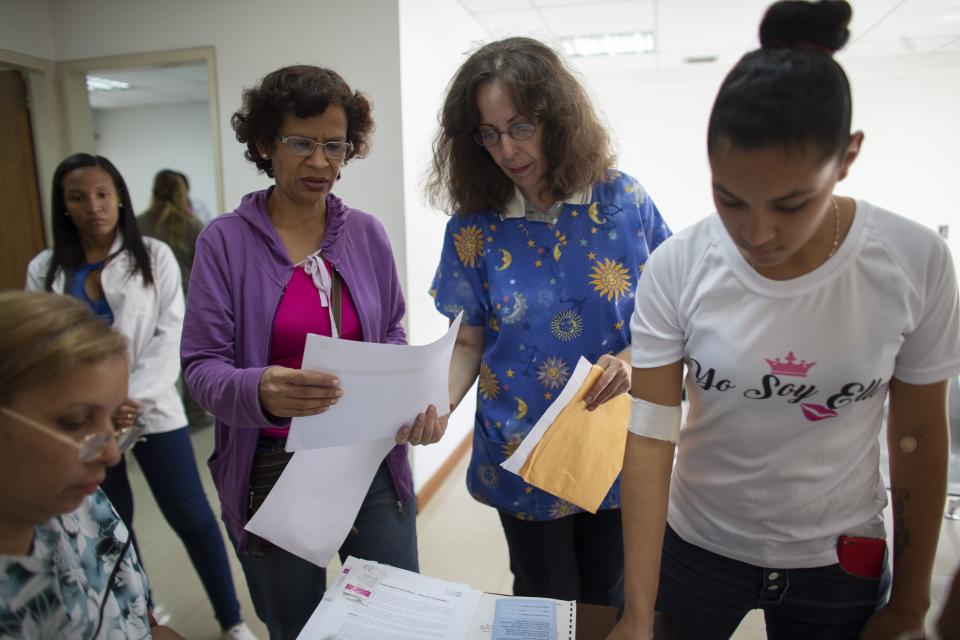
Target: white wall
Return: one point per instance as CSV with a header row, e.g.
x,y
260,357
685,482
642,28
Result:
x,y
909,110
142,140
25,27
658,121
252,38
429,56
906,105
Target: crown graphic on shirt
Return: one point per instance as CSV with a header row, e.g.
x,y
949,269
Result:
x,y
790,366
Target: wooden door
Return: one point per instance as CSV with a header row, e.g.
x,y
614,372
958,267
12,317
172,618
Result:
x,y
21,220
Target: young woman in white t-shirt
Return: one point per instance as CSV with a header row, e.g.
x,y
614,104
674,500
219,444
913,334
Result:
x,y
796,313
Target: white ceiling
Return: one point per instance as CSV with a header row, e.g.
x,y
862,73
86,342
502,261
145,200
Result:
x,y
153,86
683,29
724,29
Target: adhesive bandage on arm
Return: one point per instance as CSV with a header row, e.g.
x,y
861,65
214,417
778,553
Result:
x,y
656,421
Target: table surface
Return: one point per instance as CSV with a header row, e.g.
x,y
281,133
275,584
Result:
x,y
594,622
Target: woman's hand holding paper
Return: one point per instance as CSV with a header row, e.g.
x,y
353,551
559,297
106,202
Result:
x,y
291,393
426,429
614,381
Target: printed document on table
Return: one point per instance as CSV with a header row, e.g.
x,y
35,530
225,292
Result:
x,y
483,625
310,510
401,605
524,619
384,387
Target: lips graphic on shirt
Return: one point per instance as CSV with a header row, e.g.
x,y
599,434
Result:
x,y
817,412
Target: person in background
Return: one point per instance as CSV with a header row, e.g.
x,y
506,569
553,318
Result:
x,y
170,218
133,284
542,254
66,566
291,260
200,211
797,312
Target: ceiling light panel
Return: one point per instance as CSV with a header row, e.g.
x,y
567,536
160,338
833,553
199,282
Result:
x,y
95,84
608,44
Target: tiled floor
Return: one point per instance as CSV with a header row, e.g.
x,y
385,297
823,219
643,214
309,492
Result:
x,y
459,540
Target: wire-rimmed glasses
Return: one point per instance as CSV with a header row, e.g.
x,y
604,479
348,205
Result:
x,y
332,150
93,445
488,136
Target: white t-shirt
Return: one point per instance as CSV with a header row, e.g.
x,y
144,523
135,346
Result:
x,y
786,380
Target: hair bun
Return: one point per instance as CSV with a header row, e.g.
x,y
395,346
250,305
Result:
x,y
795,23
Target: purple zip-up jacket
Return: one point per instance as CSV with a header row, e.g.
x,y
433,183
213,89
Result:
x,y
239,274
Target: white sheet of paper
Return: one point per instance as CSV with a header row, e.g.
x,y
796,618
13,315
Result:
x,y
526,447
384,387
310,510
404,606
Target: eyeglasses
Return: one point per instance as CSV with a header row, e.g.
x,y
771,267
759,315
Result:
x,y
489,137
333,150
93,445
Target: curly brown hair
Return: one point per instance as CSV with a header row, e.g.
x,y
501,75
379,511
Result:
x,y
577,147
302,91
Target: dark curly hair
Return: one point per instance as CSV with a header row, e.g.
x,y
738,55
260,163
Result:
x,y
465,178
301,91
791,91
68,253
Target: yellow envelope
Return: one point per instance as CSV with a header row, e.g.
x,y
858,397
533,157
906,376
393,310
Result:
x,y
581,453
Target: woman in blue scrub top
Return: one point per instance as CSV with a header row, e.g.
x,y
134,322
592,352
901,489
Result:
x,y
542,256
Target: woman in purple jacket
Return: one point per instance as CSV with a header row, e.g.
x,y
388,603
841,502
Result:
x,y
289,261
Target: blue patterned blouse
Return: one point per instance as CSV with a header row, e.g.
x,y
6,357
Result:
x,y
59,589
547,289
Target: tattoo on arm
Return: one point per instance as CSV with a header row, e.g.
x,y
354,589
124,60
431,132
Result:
x,y
901,534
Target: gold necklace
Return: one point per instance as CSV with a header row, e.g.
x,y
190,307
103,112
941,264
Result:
x,y
836,227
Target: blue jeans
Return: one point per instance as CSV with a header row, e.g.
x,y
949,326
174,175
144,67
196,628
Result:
x,y
286,589
708,595
170,468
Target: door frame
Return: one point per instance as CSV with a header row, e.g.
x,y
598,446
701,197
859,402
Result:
x,y
77,114
46,117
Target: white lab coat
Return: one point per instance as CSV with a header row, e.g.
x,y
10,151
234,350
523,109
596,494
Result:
x,y
150,317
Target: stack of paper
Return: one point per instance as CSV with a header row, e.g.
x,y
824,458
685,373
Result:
x,y
310,510
371,600
573,453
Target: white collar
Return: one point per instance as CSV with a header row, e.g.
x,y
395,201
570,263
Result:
x,y
515,206
117,242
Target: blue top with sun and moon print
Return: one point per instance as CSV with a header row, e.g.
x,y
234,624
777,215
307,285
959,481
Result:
x,y
546,293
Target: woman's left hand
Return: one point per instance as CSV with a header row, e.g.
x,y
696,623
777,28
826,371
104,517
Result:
x,y
614,381
890,623
125,415
426,429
